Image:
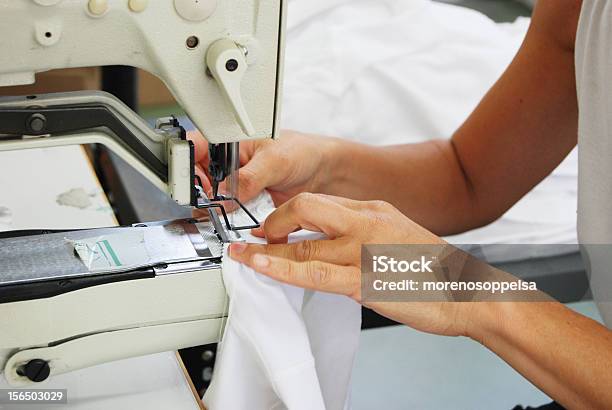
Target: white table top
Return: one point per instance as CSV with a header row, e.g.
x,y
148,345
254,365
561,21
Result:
x,y
57,189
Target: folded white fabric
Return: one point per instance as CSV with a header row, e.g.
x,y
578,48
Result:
x,y
283,347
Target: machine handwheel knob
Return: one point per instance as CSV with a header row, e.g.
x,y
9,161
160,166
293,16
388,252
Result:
x,y
37,370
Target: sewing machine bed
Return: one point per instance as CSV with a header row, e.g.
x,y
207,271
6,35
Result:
x,y
36,265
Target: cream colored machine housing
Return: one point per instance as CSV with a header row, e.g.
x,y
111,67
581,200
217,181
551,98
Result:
x,y
222,60
113,321
170,39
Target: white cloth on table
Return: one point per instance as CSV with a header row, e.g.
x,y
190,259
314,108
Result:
x,y
394,71
283,347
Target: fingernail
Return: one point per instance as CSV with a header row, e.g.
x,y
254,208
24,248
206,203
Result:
x,y
238,248
261,261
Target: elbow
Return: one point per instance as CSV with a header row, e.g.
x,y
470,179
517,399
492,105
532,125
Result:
x,y
483,215
470,217
478,207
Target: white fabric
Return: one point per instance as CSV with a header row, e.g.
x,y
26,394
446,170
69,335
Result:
x,y
593,68
395,71
283,347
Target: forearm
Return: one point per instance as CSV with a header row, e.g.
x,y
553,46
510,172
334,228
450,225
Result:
x,y
521,130
565,354
425,181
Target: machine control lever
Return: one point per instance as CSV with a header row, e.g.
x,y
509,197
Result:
x,y
226,62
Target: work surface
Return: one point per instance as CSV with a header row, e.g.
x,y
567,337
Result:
x,y
57,189
52,188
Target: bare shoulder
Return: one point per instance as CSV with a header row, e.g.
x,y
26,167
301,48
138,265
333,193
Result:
x,y
558,21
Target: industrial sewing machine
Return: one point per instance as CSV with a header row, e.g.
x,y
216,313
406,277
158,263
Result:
x,y
73,299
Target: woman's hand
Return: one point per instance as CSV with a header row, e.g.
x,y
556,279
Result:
x,y
334,265
292,164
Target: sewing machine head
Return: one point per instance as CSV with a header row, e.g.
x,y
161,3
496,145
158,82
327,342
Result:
x,y
222,61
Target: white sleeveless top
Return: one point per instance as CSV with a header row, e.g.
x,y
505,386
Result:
x,y
594,85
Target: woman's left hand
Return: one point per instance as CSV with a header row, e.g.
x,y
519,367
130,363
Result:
x,y
334,265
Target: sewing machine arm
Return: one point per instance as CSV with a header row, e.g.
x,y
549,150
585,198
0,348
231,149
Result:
x,y
163,155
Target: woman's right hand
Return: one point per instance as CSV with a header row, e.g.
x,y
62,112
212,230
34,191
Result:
x,y
294,163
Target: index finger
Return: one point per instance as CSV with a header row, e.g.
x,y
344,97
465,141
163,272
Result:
x,y
352,204
312,212
200,146
314,275
332,251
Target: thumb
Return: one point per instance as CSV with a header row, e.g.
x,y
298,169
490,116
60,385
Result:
x,y
254,177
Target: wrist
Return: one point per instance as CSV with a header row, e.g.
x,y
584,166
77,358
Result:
x,y
484,321
331,167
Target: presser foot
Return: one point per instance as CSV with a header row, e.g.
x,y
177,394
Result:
x,y
229,233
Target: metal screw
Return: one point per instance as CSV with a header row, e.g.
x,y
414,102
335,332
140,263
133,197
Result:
x,y
37,122
207,374
208,355
192,42
231,65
